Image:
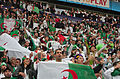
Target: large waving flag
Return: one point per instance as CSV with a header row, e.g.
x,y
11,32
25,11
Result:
x,y
7,23
60,70
13,47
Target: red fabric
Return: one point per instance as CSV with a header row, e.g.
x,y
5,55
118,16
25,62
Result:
x,y
57,20
36,51
48,57
61,37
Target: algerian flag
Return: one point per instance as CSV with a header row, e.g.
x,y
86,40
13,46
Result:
x,y
1,48
1,24
30,7
61,70
33,44
36,9
7,23
18,22
13,47
55,45
15,34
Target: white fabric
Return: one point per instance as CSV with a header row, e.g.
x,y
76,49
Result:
x,y
45,24
29,8
13,47
36,41
116,77
55,45
1,75
26,76
108,72
52,70
9,23
35,25
108,75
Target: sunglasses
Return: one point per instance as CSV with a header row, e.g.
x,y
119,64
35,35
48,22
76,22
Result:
x,y
58,52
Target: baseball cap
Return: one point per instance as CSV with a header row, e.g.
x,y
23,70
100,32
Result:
x,y
3,63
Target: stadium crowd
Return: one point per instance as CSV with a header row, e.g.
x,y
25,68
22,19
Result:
x,y
93,40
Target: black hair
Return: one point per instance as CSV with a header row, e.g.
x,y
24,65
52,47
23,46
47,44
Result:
x,y
115,63
57,50
7,69
18,59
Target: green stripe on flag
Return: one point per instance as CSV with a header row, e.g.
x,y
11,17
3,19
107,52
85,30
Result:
x,y
36,9
1,24
14,33
33,46
82,71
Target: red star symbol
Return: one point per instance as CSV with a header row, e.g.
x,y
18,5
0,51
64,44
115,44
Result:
x,y
65,77
5,43
5,26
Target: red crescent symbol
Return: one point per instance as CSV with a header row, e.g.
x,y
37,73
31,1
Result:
x,y
72,72
1,25
16,23
14,35
33,7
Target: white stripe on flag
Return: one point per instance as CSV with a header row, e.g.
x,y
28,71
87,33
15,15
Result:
x,y
52,70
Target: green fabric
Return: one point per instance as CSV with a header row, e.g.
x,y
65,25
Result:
x,y
82,71
23,58
43,59
99,46
18,22
51,37
102,55
111,44
3,64
1,48
1,27
74,46
103,34
13,78
36,9
33,44
52,28
14,33
13,69
116,72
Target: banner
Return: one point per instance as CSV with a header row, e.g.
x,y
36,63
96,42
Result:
x,y
103,3
13,47
61,70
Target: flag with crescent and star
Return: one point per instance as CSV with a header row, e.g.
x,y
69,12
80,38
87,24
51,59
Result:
x,y
13,47
62,70
6,23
